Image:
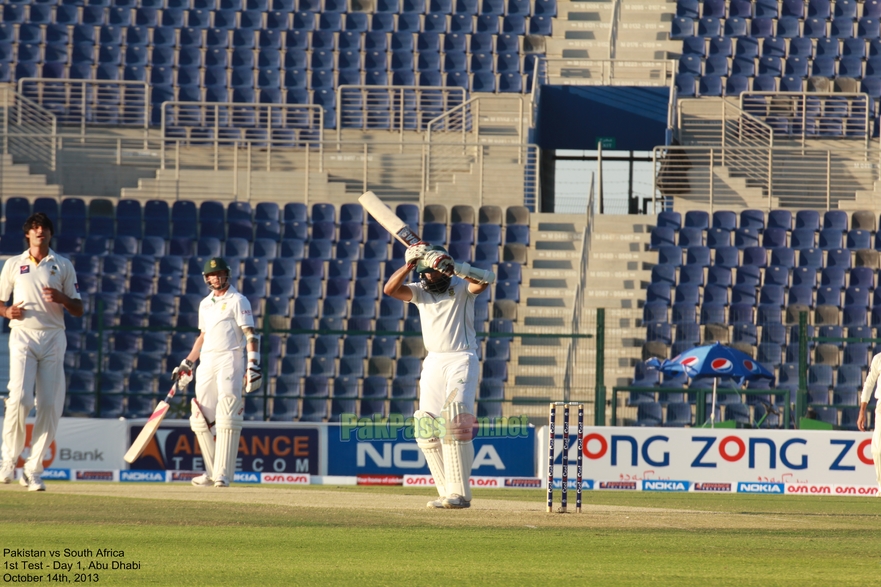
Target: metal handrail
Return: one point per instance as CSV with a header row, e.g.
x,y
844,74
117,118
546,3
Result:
x,y
311,117
29,130
539,78
460,113
592,72
796,177
116,100
577,304
425,101
799,107
613,28
701,399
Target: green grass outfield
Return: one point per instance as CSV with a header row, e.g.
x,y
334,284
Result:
x,y
267,536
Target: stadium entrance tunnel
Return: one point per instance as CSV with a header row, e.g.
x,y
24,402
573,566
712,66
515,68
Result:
x,y
623,118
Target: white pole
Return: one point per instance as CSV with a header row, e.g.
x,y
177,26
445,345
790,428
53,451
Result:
x,y
713,412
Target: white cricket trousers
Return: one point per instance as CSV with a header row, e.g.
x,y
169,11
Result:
x,y
218,375
444,374
876,444
36,377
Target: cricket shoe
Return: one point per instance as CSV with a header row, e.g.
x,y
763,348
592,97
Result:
x,y
455,501
7,472
33,482
221,481
435,504
202,480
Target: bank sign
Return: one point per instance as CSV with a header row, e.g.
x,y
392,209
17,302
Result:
x,y
724,455
391,450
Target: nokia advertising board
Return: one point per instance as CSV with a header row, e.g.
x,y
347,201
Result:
x,y
390,449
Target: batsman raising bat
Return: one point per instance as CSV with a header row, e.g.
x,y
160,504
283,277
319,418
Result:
x,y
225,322
445,296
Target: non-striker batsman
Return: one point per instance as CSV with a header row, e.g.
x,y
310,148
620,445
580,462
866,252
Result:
x,y
225,322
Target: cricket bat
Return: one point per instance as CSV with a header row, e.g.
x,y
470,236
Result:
x,y
388,219
150,427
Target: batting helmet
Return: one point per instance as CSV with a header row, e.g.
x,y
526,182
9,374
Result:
x,y
438,282
216,265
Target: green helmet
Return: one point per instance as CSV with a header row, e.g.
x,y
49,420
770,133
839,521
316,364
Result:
x,y
215,265
440,282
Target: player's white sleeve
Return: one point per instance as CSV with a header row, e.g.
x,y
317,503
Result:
x,y
6,284
871,379
244,315
417,291
69,283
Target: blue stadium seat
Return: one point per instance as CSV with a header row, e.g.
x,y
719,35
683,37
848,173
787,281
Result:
x,y
649,414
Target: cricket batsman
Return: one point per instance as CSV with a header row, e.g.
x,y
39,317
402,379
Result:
x,y
444,296
225,322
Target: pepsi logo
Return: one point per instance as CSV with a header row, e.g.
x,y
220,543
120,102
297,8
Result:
x,y
750,366
689,361
722,365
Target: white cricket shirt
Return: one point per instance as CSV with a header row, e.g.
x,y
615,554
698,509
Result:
x,y
23,279
447,318
870,385
223,319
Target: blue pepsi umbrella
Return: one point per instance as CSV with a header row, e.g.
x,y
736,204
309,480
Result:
x,y
712,362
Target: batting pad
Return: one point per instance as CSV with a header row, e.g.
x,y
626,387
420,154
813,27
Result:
x,y
203,435
458,455
229,428
431,448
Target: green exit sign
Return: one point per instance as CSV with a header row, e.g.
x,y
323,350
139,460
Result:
x,y
606,142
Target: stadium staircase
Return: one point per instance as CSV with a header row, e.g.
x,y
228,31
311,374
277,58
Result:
x,y
547,298
638,22
127,161
583,30
18,179
700,124
618,272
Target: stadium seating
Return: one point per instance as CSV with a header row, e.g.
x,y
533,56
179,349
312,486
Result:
x,y
757,310
138,285
256,53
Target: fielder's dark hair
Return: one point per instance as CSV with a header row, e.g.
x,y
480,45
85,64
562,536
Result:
x,y
38,219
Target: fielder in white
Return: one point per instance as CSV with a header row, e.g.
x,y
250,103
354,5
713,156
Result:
x,y
226,323
42,285
870,389
444,422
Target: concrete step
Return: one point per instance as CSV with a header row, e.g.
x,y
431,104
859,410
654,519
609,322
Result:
x,y
600,28
539,273
579,45
642,50
17,180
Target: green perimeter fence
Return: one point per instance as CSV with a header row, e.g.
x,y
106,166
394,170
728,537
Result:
x,y
797,404
537,364
541,364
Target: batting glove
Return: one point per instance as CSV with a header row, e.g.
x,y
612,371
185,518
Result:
x,y
183,373
253,378
414,253
438,261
